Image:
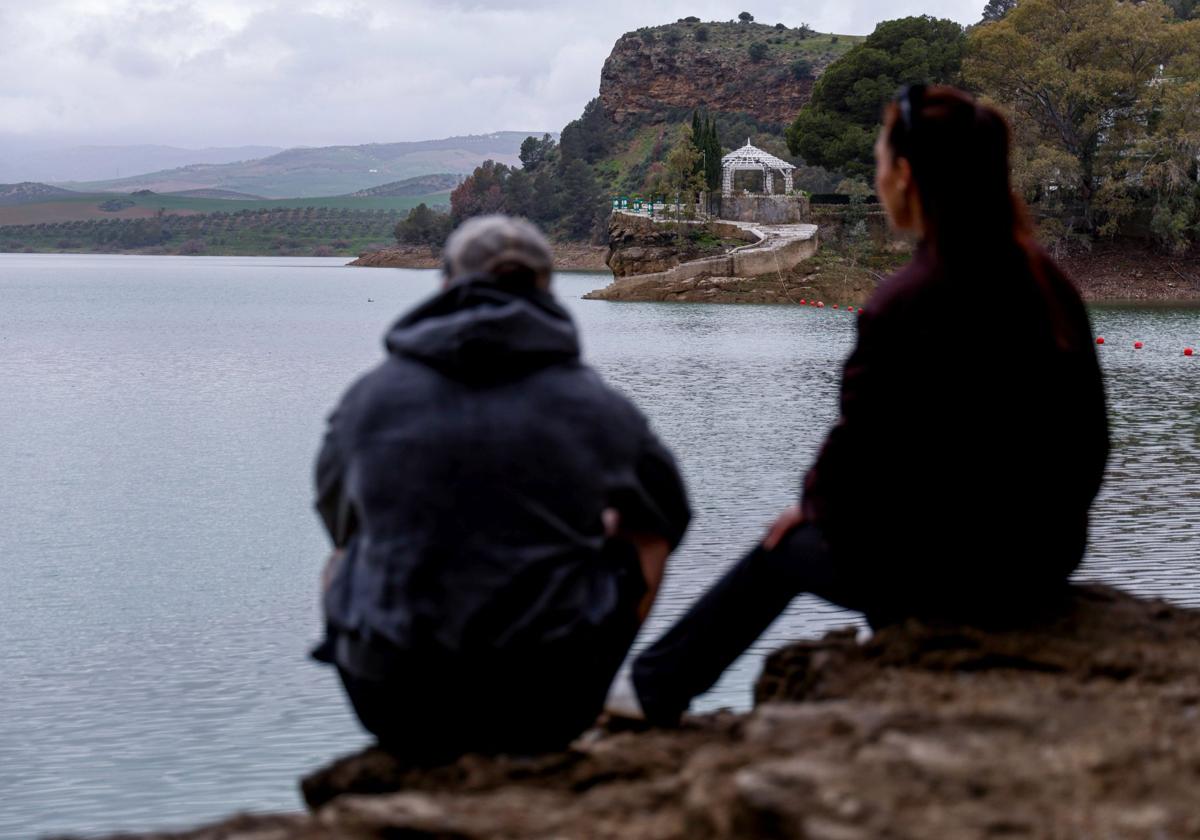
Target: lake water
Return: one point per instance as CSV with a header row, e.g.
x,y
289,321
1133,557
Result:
x,y
160,556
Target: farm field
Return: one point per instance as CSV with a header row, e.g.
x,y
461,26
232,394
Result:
x,y
89,206
247,231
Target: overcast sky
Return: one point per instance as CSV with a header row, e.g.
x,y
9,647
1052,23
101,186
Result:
x,y
316,72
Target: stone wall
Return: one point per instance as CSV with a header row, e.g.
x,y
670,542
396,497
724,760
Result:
x,y
766,209
640,245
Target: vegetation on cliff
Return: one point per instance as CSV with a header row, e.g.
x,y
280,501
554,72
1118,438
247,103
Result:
x,y
1105,101
837,129
746,78
1104,98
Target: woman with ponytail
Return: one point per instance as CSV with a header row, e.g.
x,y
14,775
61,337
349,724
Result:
x,y
972,439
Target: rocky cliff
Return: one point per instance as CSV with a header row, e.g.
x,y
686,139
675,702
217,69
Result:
x,y
735,68
1085,723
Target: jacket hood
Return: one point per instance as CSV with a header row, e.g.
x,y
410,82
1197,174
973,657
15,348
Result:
x,y
480,331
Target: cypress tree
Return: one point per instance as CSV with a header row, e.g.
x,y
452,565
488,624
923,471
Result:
x,y
698,140
712,147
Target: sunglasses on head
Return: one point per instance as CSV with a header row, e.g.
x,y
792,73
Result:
x,y
909,100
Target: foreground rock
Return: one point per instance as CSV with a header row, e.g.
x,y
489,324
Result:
x,y
1087,725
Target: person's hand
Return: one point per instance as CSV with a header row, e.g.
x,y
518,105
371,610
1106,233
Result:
x,y
331,567
789,519
652,550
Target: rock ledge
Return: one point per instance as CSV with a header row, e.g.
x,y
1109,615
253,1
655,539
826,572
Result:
x,y
1084,725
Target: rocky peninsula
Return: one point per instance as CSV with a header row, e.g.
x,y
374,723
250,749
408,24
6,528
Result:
x,y
1083,724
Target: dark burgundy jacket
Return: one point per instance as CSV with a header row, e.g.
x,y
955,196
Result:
x,y
973,433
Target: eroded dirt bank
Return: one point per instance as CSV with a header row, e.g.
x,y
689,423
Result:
x,y
1086,725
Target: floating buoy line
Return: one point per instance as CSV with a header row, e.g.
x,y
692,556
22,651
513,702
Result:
x,y
1100,340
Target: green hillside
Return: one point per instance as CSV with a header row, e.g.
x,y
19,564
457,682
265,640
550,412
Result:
x,y
63,207
278,231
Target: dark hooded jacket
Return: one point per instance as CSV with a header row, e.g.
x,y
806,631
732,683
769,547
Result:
x,y
466,475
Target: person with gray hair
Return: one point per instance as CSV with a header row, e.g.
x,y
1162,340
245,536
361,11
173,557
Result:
x,y
500,517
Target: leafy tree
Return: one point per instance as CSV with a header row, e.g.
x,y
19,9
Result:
x,y
1184,9
535,152
679,177
582,203
997,9
746,17
423,226
1105,97
837,128
758,51
588,137
482,192
805,32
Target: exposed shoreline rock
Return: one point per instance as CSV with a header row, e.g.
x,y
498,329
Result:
x,y
777,249
568,256
1084,724
1111,273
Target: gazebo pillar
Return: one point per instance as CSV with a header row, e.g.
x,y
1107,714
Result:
x,y
787,182
768,181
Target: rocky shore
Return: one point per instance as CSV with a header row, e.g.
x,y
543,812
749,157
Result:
x,y
568,256
1084,724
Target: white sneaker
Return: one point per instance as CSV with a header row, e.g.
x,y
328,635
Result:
x,y
622,699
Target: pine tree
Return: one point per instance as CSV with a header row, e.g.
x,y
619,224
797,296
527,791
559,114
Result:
x,y
997,9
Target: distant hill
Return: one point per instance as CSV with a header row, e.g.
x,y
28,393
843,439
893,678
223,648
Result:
x,y
330,170
29,192
420,185
89,163
229,194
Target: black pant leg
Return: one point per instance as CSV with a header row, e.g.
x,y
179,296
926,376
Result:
x,y
689,659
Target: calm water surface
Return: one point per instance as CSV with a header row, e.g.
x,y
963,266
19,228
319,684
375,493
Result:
x,y
160,557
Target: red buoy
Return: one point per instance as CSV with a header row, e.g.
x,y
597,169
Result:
x,y
820,304
1100,339
801,301
835,306
1137,345
1187,351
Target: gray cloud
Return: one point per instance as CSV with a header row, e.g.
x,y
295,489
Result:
x,y
228,72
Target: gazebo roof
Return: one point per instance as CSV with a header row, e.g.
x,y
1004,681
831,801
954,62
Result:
x,y
753,156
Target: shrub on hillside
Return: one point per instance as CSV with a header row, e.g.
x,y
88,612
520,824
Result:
x,y
758,51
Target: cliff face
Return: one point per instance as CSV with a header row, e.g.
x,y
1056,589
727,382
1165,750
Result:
x,y
754,69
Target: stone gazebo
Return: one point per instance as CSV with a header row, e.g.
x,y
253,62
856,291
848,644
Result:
x,y
753,159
